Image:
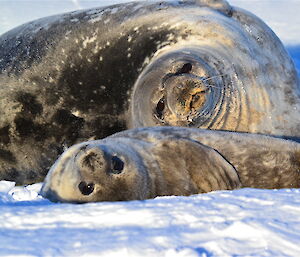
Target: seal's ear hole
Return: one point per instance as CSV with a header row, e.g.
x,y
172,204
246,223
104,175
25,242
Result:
x,y
186,68
160,108
117,165
86,189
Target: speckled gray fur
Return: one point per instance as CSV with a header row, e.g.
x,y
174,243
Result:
x,y
88,74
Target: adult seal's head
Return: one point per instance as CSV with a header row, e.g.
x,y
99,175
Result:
x,y
222,74
149,162
87,74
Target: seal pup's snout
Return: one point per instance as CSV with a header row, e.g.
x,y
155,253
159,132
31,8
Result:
x,y
97,168
116,167
97,161
92,160
92,164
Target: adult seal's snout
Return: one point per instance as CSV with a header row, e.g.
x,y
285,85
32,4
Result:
x,y
185,96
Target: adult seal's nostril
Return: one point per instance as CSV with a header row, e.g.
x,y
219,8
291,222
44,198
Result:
x,y
86,189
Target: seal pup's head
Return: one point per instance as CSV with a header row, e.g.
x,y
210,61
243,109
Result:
x,y
97,171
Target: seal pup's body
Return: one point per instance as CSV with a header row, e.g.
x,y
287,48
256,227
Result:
x,y
148,162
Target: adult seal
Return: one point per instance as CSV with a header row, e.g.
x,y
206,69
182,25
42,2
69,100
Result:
x,y
148,162
87,74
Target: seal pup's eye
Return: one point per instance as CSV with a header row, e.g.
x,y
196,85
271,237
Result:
x,y
117,165
86,189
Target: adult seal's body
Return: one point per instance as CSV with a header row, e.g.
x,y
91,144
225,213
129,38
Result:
x,y
87,74
148,162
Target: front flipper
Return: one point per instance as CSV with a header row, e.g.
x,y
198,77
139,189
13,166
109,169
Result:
x,y
190,167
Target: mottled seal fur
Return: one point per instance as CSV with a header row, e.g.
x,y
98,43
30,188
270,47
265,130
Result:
x,y
88,74
148,162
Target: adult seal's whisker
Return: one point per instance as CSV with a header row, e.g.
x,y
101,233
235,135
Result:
x,y
213,77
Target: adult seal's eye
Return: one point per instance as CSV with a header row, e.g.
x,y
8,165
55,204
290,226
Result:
x,y
117,165
86,189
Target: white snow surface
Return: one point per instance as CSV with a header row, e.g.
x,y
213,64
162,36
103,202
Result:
x,y
246,222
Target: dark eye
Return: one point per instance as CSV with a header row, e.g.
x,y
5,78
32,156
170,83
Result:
x,y
160,108
117,165
86,189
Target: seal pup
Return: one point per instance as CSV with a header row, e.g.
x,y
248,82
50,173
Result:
x,y
148,162
88,74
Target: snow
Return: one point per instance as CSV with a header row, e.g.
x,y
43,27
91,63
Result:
x,y
246,222
225,223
